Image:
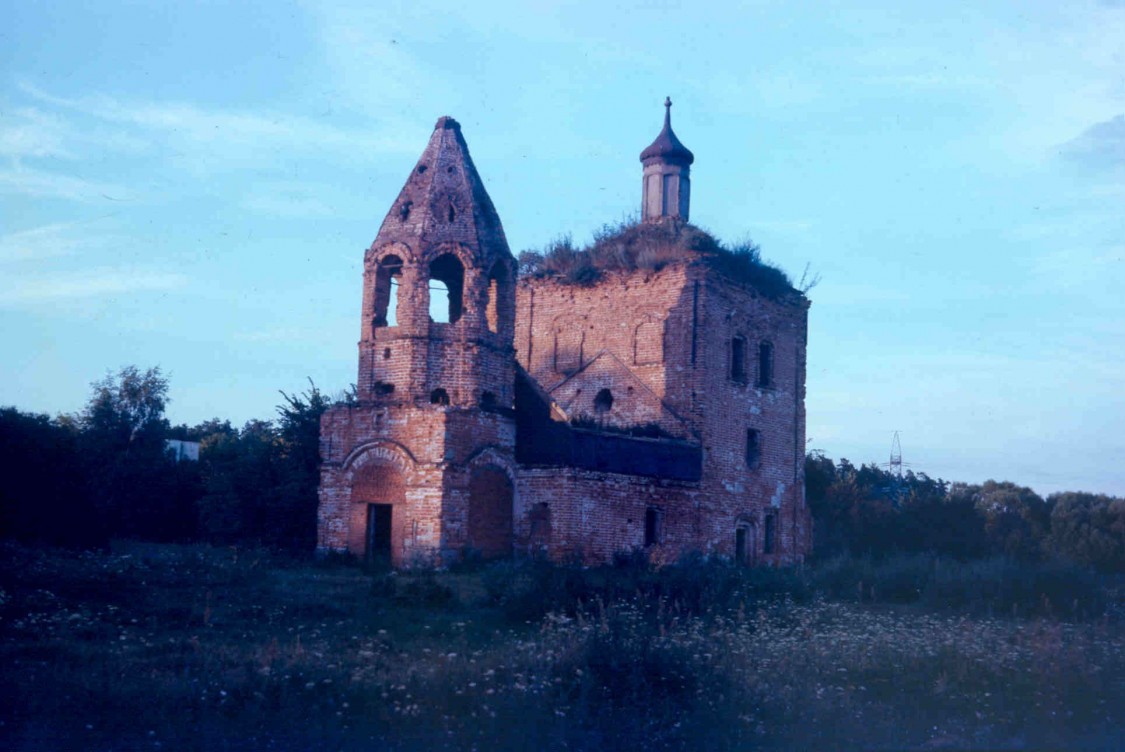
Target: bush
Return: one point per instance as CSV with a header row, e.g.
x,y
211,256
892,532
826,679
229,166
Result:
x,y
417,589
1003,586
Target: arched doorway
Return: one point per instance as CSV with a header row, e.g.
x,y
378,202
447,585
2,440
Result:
x,y
490,512
745,544
374,530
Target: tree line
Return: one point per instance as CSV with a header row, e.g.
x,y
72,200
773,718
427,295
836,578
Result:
x,y
868,511
107,472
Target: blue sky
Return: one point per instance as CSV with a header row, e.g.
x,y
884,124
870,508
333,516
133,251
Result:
x,y
193,185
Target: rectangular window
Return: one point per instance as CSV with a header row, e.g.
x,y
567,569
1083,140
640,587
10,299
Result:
x,y
753,448
666,202
765,364
768,540
652,527
738,360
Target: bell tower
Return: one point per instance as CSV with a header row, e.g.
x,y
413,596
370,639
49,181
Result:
x,y
439,289
666,188
420,467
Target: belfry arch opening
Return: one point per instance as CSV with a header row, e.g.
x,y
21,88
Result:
x,y
388,284
499,309
447,285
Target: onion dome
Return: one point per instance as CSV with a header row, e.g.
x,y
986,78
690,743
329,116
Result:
x,y
667,147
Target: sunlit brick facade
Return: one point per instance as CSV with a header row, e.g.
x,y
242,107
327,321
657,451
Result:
x,y
506,428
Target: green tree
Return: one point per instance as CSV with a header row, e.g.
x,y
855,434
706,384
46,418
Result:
x,y
1016,519
137,488
1088,529
295,521
240,477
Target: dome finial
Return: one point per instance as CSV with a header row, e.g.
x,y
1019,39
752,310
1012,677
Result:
x,y
666,182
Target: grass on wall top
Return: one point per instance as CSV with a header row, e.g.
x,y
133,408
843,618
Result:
x,y
632,245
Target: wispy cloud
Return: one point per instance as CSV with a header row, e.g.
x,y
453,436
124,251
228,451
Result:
x,y
29,181
216,138
49,241
27,132
47,288
1102,145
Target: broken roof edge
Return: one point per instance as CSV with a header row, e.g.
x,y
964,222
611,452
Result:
x,y
632,247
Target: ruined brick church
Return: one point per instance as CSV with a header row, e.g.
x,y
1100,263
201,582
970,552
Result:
x,y
507,422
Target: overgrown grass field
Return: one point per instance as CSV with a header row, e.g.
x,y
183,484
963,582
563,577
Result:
x,y
170,648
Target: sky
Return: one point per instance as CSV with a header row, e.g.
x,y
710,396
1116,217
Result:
x,y
192,185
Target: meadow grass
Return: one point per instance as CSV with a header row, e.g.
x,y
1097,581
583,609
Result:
x,y
175,647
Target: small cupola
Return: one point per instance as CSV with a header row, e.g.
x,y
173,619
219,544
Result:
x,y
666,187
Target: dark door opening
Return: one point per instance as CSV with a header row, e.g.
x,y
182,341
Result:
x,y
379,533
740,545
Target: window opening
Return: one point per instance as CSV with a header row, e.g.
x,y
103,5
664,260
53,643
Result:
x,y
498,311
603,401
738,360
740,545
439,397
652,526
753,448
540,518
765,364
488,401
447,280
388,284
490,313
770,534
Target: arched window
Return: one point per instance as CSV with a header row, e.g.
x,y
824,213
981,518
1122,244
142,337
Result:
x,y
753,448
745,543
769,536
447,285
765,364
738,360
603,402
439,397
388,281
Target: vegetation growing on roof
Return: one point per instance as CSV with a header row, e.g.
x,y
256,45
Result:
x,y
632,245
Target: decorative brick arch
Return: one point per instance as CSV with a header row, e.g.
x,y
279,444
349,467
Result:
x,y
746,546
377,475
396,248
382,450
467,258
